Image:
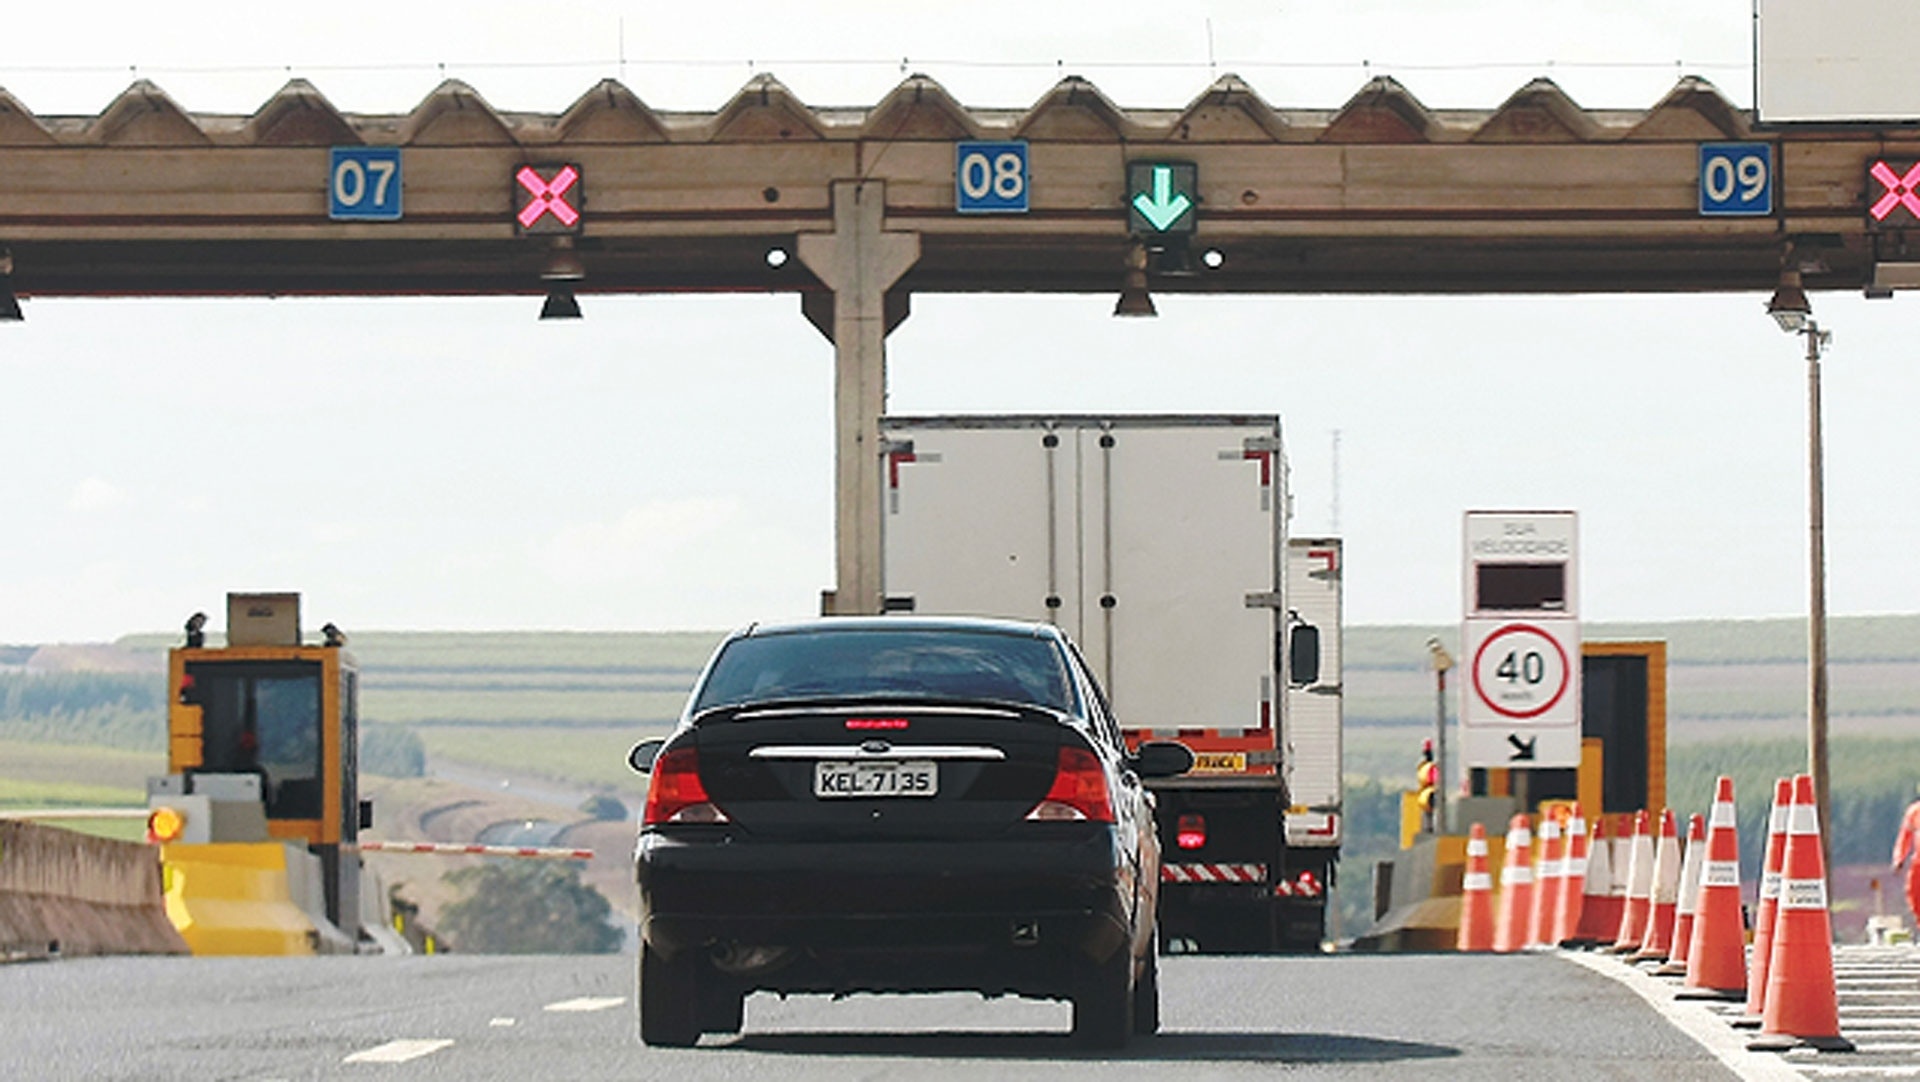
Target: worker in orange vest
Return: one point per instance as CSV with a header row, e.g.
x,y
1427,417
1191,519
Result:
x,y
1906,850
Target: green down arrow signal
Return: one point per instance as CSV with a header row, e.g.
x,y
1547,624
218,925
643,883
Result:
x,y
1167,205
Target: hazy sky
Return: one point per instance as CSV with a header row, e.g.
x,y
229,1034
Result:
x,y
666,462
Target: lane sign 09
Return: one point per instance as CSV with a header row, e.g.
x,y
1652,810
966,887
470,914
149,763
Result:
x,y
1736,179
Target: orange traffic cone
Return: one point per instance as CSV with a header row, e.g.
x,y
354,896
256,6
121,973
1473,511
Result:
x,y
1803,1006
1573,884
1664,904
1596,903
1476,896
1621,848
1548,874
1516,888
1717,954
1633,918
1769,902
1676,964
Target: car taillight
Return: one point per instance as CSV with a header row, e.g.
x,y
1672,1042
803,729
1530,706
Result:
x,y
1190,832
1079,790
675,794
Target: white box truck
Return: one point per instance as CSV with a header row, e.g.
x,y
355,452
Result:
x,y
1159,543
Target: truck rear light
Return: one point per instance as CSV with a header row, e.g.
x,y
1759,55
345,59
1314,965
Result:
x,y
1079,791
675,794
1190,832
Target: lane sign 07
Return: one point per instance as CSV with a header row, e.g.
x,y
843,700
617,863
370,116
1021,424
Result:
x,y
990,178
363,184
1736,179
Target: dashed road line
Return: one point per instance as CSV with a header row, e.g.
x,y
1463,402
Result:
x,y
587,1003
500,1023
399,1051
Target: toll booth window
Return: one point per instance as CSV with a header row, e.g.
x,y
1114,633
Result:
x,y
264,719
1525,587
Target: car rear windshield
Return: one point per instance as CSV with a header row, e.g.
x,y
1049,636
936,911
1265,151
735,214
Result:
x,y
922,664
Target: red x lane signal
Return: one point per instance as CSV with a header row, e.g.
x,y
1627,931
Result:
x,y
1892,188
547,199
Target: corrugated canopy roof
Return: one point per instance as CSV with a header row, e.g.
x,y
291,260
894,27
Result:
x,y
919,108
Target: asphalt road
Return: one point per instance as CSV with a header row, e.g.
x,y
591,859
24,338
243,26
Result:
x,y
454,1017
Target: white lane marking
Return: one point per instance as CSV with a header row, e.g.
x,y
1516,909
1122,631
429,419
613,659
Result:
x,y
499,1022
1707,1029
398,1051
1871,1072
587,1003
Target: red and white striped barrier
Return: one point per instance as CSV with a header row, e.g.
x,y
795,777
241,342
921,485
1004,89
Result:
x,y
1213,873
447,850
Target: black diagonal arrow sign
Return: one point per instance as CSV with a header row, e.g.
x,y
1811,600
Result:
x,y
1522,749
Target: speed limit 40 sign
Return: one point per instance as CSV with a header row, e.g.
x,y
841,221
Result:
x,y
1522,692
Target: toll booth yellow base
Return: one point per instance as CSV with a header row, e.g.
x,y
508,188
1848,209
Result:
x,y
232,898
1427,879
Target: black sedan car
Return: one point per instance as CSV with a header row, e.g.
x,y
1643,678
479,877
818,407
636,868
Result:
x,y
898,805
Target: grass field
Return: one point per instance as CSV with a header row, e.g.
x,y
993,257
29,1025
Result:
x,y
587,757
568,704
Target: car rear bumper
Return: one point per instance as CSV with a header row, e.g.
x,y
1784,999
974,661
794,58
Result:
x,y
899,915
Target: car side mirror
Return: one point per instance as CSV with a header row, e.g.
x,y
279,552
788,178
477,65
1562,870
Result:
x,y
1303,656
1162,759
643,754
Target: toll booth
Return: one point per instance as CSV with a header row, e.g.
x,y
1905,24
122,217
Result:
x,y
267,706
1623,737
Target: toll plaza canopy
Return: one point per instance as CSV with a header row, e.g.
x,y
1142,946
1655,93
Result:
x,y
1228,193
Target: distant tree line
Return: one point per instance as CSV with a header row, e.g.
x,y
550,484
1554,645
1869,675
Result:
x,y
123,710
528,907
129,710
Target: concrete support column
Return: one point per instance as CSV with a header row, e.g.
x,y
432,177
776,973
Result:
x,y
860,262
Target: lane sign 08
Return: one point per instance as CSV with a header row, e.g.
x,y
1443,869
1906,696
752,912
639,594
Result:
x,y
990,178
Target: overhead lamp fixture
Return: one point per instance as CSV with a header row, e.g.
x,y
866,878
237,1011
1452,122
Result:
x,y
563,270
9,304
1134,298
1789,306
560,304
1213,258
777,257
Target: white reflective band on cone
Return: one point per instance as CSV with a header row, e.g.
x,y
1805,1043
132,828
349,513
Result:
x,y
1804,894
1477,881
1721,816
1803,820
1770,885
1777,822
1516,875
1721,873
1476,847
1576,866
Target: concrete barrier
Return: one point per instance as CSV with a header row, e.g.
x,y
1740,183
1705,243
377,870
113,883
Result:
x,y
235,898
66,893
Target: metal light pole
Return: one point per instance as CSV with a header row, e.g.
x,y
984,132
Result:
x,y
1817,341
1440,661
1790,308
